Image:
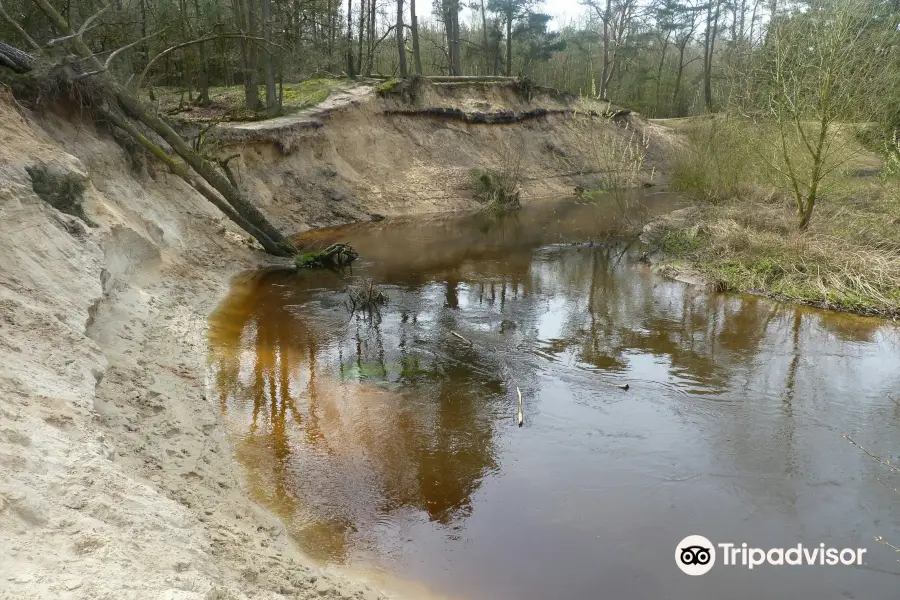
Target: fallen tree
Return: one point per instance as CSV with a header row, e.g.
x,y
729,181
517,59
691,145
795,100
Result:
x,y
126,112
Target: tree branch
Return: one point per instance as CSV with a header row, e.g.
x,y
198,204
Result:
x,y
138,81
117,52
85,27
19,29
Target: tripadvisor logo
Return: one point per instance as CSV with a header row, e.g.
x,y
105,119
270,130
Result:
x,y
696,555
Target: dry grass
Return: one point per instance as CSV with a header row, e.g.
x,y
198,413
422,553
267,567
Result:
x,y
500,189
746,237
848,260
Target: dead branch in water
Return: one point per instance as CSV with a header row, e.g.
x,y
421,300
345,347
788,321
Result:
x,y
365,296
520,416
453,333
883,461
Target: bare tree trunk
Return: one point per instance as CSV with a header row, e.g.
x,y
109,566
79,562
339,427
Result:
x,y
363,20
252,84
271,96
484,37
203,74
329,10
414,26
675,104
605,74
454,40
662,61
712,24
370,58
509,20
350,70
401,46
243,10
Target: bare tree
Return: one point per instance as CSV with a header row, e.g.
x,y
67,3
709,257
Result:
x,y
271,99
414,29
616,17
401,45
350,70
713,9
825,66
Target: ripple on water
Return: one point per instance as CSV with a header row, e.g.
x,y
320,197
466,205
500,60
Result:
x,y
386,442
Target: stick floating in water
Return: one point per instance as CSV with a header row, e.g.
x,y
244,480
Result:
x,y
520,417
461,337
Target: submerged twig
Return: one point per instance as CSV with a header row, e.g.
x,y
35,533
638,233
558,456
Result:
x,y
520,417
884,462
462,338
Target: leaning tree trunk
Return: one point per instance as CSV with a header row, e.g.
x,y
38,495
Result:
x,y
273,241
187,175
15,59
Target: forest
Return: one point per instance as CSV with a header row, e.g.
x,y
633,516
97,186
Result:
x,y
664,58
783,107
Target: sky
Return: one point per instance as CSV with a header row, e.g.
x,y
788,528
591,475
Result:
x,y
561,10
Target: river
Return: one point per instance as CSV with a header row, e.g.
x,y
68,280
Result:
x,y
388,442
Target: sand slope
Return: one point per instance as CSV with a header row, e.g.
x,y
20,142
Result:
x,y
116,480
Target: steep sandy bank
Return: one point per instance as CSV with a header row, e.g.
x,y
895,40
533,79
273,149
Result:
x,y
361,154
115,478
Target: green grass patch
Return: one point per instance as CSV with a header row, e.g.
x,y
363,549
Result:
x,y
310,92
227,102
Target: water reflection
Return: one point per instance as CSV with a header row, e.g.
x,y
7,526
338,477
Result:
x,y
386,439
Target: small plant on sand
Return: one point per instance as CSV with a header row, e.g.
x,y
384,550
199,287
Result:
x,y
62,191
496,189
499,189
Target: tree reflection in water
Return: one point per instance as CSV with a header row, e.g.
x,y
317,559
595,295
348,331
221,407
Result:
x,y
357,428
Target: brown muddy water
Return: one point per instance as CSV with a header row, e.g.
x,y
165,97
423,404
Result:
x,y
389,445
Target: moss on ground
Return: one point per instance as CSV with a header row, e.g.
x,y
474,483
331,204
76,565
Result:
x,y
388,87
227,102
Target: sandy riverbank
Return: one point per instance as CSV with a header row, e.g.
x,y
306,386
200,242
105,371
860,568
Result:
x,y
116,478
